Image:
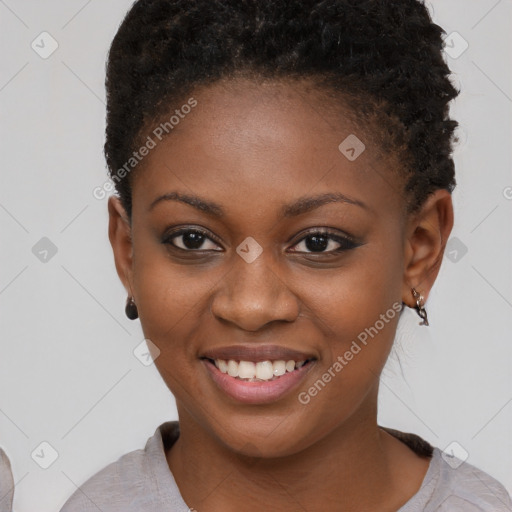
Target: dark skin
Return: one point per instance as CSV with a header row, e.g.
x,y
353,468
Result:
x,y
252,148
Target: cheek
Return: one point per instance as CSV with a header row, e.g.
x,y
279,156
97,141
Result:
x,y
173,306
172,299
350,298
357,308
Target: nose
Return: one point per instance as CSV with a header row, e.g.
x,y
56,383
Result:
x,y
253,295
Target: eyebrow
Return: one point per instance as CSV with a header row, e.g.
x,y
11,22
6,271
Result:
x,y
306,204
298,207
207,207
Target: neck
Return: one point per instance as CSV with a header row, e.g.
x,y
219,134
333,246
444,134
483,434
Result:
x,y
356,465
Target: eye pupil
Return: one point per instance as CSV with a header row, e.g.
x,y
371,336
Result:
x,y
317,243
193,240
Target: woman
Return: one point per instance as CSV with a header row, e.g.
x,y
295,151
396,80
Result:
x,y
284,180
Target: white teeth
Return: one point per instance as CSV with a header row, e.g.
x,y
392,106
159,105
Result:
x,y
232,368
246,369
262,370
290,366
279,368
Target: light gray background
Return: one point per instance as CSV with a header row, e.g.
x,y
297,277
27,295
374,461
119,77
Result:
x,y
68,375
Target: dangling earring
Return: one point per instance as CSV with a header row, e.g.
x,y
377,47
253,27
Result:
x,y
420,309
131,309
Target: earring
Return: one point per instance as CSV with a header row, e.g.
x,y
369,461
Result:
x,y
420,309
131,309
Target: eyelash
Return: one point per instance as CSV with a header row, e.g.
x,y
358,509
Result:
x,y
346,242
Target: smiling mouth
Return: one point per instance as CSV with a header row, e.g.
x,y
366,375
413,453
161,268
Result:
x,y
260,371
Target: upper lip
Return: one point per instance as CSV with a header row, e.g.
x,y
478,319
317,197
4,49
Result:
x,y
256,353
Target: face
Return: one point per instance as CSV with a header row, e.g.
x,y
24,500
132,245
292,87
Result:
x,y
255,239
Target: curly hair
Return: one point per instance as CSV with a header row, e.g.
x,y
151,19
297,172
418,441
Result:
x,y
385,55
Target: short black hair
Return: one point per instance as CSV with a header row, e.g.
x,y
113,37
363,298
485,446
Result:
x,y
387,53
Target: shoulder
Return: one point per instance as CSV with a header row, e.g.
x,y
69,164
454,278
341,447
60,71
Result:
x,y
6,482
138,481
464,487
114,486
451,484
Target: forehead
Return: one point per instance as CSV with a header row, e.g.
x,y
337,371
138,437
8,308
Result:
x,y
268,142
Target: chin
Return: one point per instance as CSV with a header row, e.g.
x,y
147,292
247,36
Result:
x,y
266,436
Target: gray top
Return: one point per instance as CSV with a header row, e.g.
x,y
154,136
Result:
x,y
141,481
6,483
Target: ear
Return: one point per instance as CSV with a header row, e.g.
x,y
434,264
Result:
x,y
426,237
119,234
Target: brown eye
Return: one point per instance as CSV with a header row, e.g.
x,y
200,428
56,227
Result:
x,y
190,240
324,242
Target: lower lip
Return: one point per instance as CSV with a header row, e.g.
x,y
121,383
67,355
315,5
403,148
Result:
x,y
257,392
